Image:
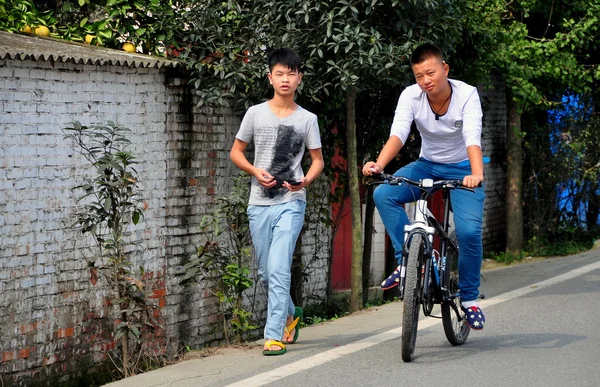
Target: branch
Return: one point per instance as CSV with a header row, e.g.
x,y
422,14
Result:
x,y
549,18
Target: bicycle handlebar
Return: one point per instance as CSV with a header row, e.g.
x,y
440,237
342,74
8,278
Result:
x,y
385,178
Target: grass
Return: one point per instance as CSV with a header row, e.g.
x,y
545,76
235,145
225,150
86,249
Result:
x,y
558,248
543,248
503,257
335,308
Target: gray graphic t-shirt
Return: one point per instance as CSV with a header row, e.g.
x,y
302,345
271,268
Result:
x,y
279,145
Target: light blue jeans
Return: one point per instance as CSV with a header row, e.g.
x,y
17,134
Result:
x,y
274,231
468,213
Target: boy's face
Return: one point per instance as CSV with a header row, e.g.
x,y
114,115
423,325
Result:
x,y
285,81
431,75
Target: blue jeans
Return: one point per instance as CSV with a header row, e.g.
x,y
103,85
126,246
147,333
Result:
x,y
468,213
274,231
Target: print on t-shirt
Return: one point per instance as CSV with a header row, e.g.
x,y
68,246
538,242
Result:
x,y
288,145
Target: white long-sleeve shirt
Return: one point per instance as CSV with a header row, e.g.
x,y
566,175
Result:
x,y
444,140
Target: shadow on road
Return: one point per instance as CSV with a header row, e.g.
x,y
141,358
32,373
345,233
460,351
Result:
x,y
530,341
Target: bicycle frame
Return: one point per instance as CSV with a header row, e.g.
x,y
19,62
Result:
x,y
426,224
418,262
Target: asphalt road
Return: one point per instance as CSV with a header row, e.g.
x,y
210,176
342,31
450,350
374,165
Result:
x,y
541,330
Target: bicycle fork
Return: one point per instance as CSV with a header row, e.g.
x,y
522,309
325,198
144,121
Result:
x,y
419,226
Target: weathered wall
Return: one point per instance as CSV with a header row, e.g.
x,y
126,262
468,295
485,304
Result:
x,y
52,318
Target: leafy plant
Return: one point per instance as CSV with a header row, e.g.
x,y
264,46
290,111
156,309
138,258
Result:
x,y
221,263
111,204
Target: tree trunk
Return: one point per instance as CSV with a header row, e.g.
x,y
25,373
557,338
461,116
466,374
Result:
x,y
366,256
593,208
514,173
356,275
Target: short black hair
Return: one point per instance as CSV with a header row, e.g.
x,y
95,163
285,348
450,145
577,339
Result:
x,y
424,52
286,57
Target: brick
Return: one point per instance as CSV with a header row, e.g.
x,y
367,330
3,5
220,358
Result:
x,y
158,293
27,282
8,356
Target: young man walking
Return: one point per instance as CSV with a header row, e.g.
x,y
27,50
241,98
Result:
x,y
280,131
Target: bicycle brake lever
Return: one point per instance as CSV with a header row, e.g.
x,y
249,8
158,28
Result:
x,y
370,180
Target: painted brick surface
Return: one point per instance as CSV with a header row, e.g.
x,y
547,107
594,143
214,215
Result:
x,y
53,320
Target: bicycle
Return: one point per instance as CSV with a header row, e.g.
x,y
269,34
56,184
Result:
x,y
427,279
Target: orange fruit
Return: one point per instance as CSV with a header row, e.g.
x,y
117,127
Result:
x,y
42,31
27,29
129,47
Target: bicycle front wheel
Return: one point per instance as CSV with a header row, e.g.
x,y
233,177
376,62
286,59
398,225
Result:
x,y
412,297
453,319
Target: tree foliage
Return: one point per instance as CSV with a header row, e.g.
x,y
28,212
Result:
x,y
152,26
543,50
540,50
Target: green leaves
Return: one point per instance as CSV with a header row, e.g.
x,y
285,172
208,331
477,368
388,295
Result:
x,y
154,25
357,36
535,58
110,197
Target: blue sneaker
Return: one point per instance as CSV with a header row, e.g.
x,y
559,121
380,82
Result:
x,y
475,317
393,280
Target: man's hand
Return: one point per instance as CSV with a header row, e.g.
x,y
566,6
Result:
x,y
472,181
264,178
295,187
370,168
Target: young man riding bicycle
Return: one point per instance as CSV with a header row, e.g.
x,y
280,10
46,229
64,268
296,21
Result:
x,y
448,115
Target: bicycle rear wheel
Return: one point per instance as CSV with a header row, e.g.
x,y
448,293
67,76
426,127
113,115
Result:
x,y
412,297
453,319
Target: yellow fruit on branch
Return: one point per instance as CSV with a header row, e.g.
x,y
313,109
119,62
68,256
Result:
x,y
42,31
89,38
27,29
129,47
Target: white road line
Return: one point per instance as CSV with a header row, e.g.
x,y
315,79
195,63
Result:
x,y
324,357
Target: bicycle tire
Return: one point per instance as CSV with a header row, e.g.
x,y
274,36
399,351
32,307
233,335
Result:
x,y
456,330
412,297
